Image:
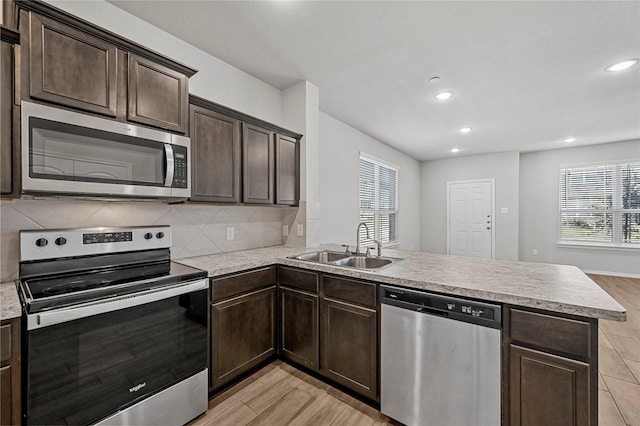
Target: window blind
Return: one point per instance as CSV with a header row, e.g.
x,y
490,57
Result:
x,y
601,203
378,200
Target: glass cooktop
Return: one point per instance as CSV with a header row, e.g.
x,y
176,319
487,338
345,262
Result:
x,y
53,291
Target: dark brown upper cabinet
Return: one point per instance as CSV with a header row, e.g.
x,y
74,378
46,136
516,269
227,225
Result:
x,y
257,164
287,170
158,95
238,158
71,67
215,147
75,64
9,147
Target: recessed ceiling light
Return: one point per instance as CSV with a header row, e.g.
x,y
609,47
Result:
x,y
454,150
623,65
465,129
569,140
434,79
443,96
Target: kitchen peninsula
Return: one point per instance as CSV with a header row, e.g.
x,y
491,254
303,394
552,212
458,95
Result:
x,y
550,313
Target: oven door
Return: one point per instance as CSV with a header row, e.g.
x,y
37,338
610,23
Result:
x,y
80,369
68,152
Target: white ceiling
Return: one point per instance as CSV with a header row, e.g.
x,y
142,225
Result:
x,y
526,75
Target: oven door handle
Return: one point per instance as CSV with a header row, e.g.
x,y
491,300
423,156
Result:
x,y
45,319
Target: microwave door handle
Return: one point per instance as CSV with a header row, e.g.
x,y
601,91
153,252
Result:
x,y
169,160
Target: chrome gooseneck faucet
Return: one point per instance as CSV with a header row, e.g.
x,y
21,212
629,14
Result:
x,y
358,236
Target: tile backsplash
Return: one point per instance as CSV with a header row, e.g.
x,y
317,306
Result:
x,y
197,229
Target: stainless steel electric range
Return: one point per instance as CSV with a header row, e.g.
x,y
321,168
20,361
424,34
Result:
x,y
115,332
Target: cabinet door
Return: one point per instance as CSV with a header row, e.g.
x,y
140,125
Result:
x,y
258,164
287,170
215,144
349,342
158,96
6,118
10,372
547,390
5,396
70,67
242,334
299,327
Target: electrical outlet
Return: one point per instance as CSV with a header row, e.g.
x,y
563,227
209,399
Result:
x,y
285,230
300,230
230,233
534,252
504,210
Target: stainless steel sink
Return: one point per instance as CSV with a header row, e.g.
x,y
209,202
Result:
x,y
362,262
342,259
325,256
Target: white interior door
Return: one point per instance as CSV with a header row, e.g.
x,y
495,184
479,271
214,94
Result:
x,y
470,224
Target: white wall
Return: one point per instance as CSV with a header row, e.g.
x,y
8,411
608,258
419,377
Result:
x,y
216,80
340,147
539,209
435,174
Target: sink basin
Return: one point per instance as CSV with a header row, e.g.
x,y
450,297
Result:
x,y
325,256
339,258
362,262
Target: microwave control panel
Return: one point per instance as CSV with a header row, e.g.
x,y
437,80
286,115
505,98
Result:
x,y
180,167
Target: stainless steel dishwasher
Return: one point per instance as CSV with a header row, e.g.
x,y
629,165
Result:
x,y
440,359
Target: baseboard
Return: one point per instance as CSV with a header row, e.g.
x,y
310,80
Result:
x,y
613,274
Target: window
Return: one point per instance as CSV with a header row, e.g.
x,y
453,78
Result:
x,y
600,203
378,201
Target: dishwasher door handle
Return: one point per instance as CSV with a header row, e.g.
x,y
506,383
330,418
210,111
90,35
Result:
x,y
430,311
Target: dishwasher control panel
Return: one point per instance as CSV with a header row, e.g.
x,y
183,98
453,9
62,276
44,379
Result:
x,y
472,311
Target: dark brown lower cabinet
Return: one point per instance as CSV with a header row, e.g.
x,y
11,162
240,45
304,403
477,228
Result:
x,y
10,372
551,362
243,323
349,342
299,335
547,389
242,334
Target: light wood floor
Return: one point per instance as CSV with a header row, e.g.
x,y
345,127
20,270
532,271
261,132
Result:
x,y
282,395
619,362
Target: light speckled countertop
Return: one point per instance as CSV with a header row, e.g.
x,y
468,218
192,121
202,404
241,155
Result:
x,y
9,301
556,288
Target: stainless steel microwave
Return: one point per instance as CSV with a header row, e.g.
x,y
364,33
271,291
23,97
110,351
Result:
x,y
65,152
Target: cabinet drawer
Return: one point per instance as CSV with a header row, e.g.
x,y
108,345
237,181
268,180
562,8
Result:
x,y
352,291
5,343
563,335
298,278
222,288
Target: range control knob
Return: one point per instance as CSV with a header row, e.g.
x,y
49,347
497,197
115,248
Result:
x,y
41,242
160,235
148,236
60,241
